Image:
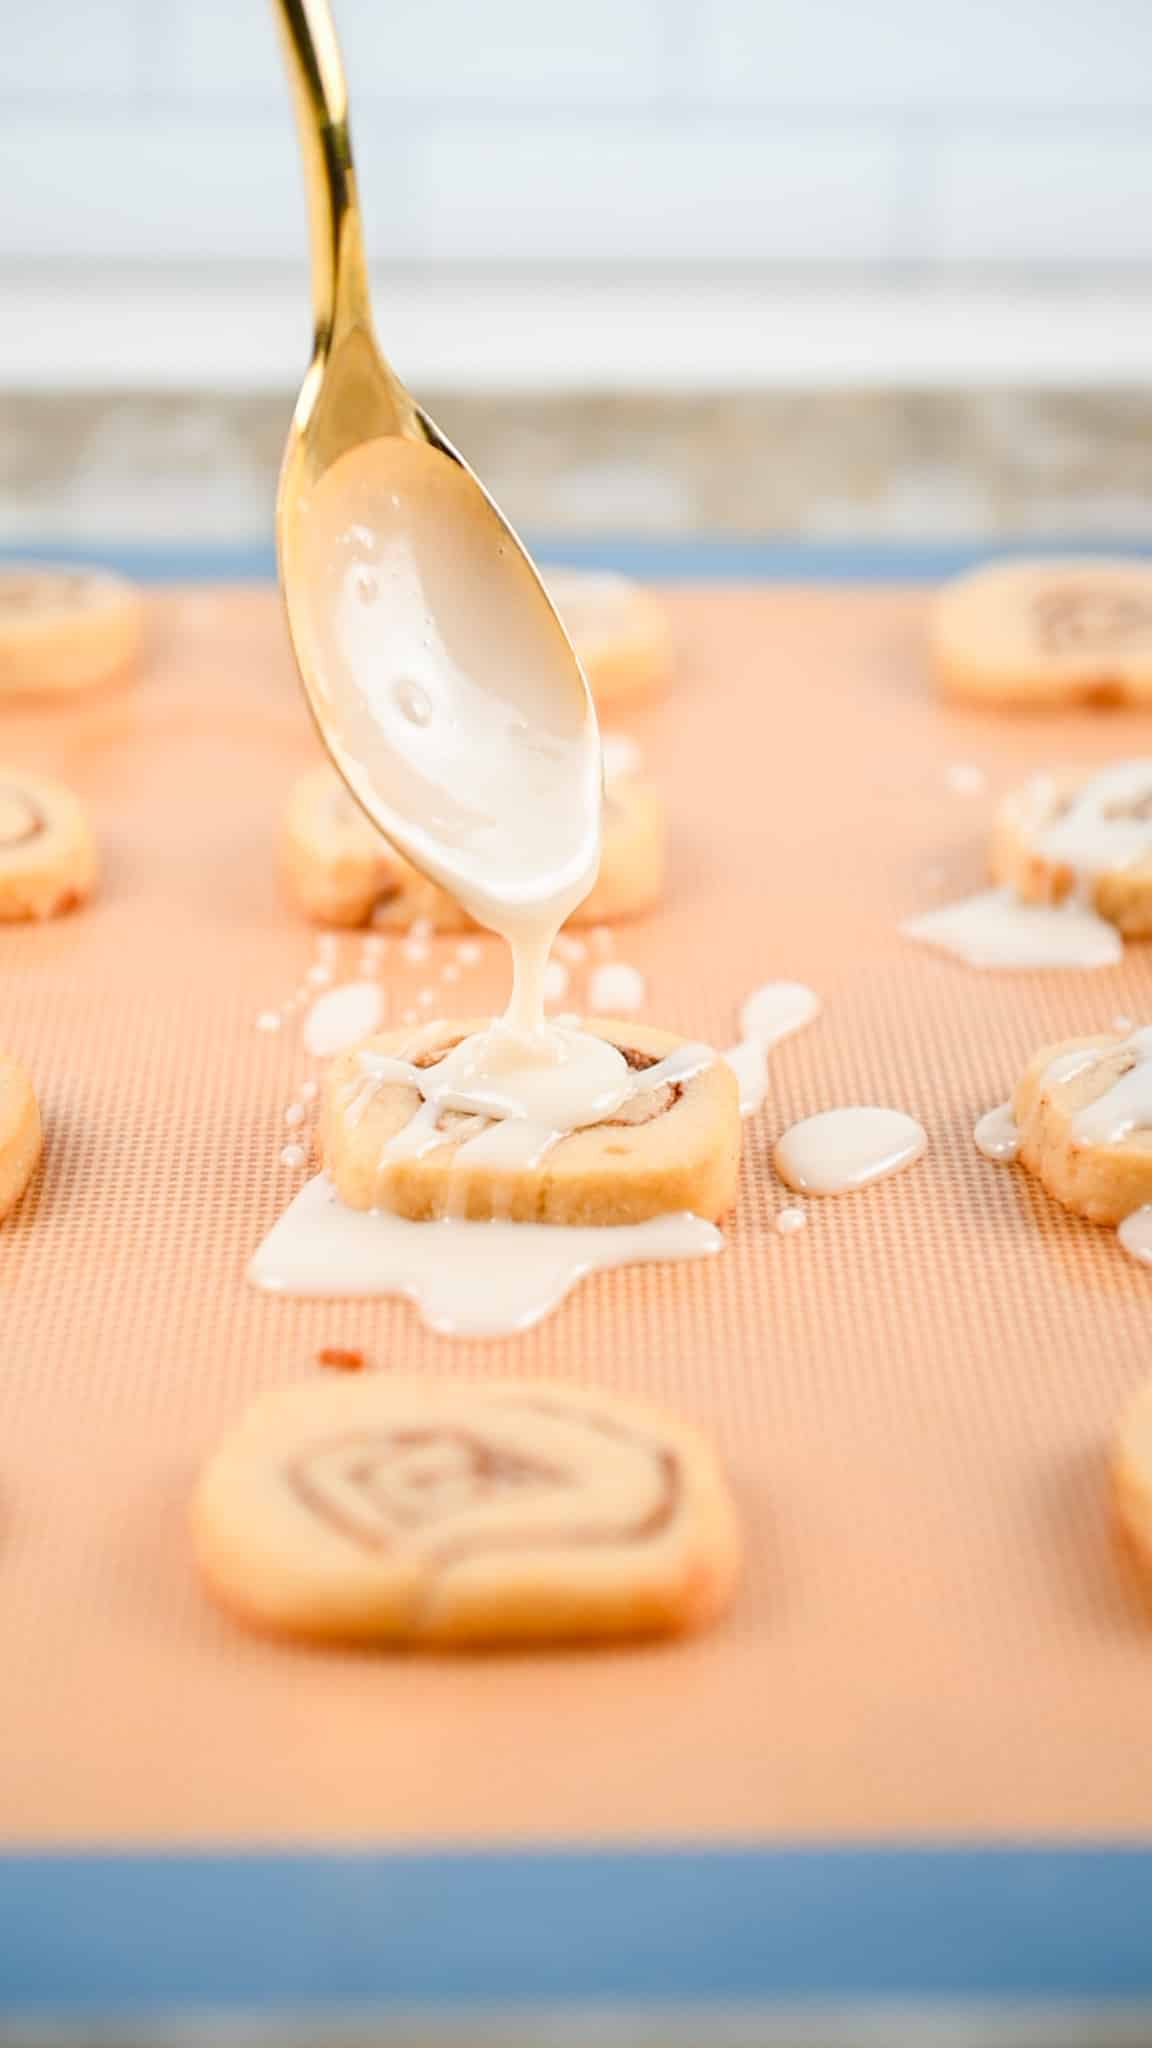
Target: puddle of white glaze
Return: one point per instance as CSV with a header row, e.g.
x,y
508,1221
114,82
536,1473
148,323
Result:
x,y
466,1279
995,930
839,1150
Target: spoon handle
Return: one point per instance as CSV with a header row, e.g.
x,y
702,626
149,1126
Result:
x,y
340,297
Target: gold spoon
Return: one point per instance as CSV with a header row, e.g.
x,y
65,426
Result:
x,y
441,679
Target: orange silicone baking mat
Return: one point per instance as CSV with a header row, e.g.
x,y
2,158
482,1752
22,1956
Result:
x,y
914,1394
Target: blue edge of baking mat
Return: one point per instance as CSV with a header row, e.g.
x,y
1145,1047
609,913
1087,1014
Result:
x,y
105,1935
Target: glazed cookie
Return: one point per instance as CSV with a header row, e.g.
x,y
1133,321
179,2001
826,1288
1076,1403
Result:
x,y
1046,633
1083,1112
20,1137
673,1144
619,631
66,629
47,853
340,871
458,1514
1087,836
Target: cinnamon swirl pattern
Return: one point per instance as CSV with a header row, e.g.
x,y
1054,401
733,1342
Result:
x,y
47,852
455,1513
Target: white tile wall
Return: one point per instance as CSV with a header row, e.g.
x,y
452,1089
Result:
x,y
825,133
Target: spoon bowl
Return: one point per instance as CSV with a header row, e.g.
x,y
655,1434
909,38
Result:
x,y
437,670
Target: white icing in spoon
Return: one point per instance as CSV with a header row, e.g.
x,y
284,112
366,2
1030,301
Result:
x,y
342,1016
997,1135
770,1014
466,1279
994,929
839,1150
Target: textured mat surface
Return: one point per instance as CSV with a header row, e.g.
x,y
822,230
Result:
x,y
914,1394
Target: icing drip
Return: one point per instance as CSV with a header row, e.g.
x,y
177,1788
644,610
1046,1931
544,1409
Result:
x,y
1135,1234
1105,824
616,990
466,1279
997,1135
1126,1104
523,1099
341,1016
994,929
771,1013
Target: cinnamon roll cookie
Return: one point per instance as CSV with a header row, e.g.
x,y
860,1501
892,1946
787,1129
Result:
x,y
1087,836
339,870
457,1514
47,853
65,629
20,1137
1046,633
668,1141
1081,1121
620,633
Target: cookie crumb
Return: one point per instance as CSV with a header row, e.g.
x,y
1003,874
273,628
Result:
x,y
344,1358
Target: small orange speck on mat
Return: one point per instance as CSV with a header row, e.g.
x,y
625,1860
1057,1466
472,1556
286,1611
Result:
x,y
342,1359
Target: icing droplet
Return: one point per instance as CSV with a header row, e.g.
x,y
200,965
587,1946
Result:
x,y
342,1016
840,1150
466,1279
556,978
308,1090
622,756
470,951
413,703
997,1135
268,1020
994,929
615,989
319,974
964,778
293,1155
569,948
776,1011
790,1220
770,1014
1135,1234
294,1114
450,971
415,948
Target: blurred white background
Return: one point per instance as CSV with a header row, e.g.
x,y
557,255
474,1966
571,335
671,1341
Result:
x,y
808,267
654,192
